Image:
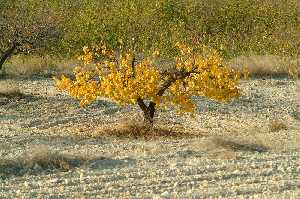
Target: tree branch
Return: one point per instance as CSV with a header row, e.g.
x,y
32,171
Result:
x,y
147,110
177,75
132,65
6,55
27,41
142,104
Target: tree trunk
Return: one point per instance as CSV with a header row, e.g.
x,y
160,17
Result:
x,y
150,109
6,55
148,112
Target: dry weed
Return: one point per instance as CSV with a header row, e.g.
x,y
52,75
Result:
x,y
47,159
27,65
30,65
239,145
9,90
136,129
229,144
40,159
258,65
268,65
217,147
277,125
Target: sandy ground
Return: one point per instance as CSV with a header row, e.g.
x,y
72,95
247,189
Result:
x,y
248,148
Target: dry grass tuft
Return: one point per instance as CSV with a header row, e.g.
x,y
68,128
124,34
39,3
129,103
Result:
x,y
30,65
10,91
136,129
268,65
47,159
258,65
239,145
218,147
277,125
38,161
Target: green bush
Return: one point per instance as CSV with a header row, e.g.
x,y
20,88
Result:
x,y
232,27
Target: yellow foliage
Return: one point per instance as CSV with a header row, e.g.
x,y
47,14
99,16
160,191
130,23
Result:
x,y
125,81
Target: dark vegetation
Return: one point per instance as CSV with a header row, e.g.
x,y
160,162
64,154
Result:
x,y
233,27
27,27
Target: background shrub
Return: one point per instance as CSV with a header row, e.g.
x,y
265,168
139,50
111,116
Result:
x,y
232,27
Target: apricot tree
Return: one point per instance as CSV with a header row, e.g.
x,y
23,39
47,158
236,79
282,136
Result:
x,y
128,81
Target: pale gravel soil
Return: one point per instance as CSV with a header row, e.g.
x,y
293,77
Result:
x,y
260,163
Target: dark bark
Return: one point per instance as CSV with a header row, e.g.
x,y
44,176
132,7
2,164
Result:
x,y
149,110
6,54
177,75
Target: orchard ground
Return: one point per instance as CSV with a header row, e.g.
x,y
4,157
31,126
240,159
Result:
x,y
52,148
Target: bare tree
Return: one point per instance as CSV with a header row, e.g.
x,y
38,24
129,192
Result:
x,y
26,27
